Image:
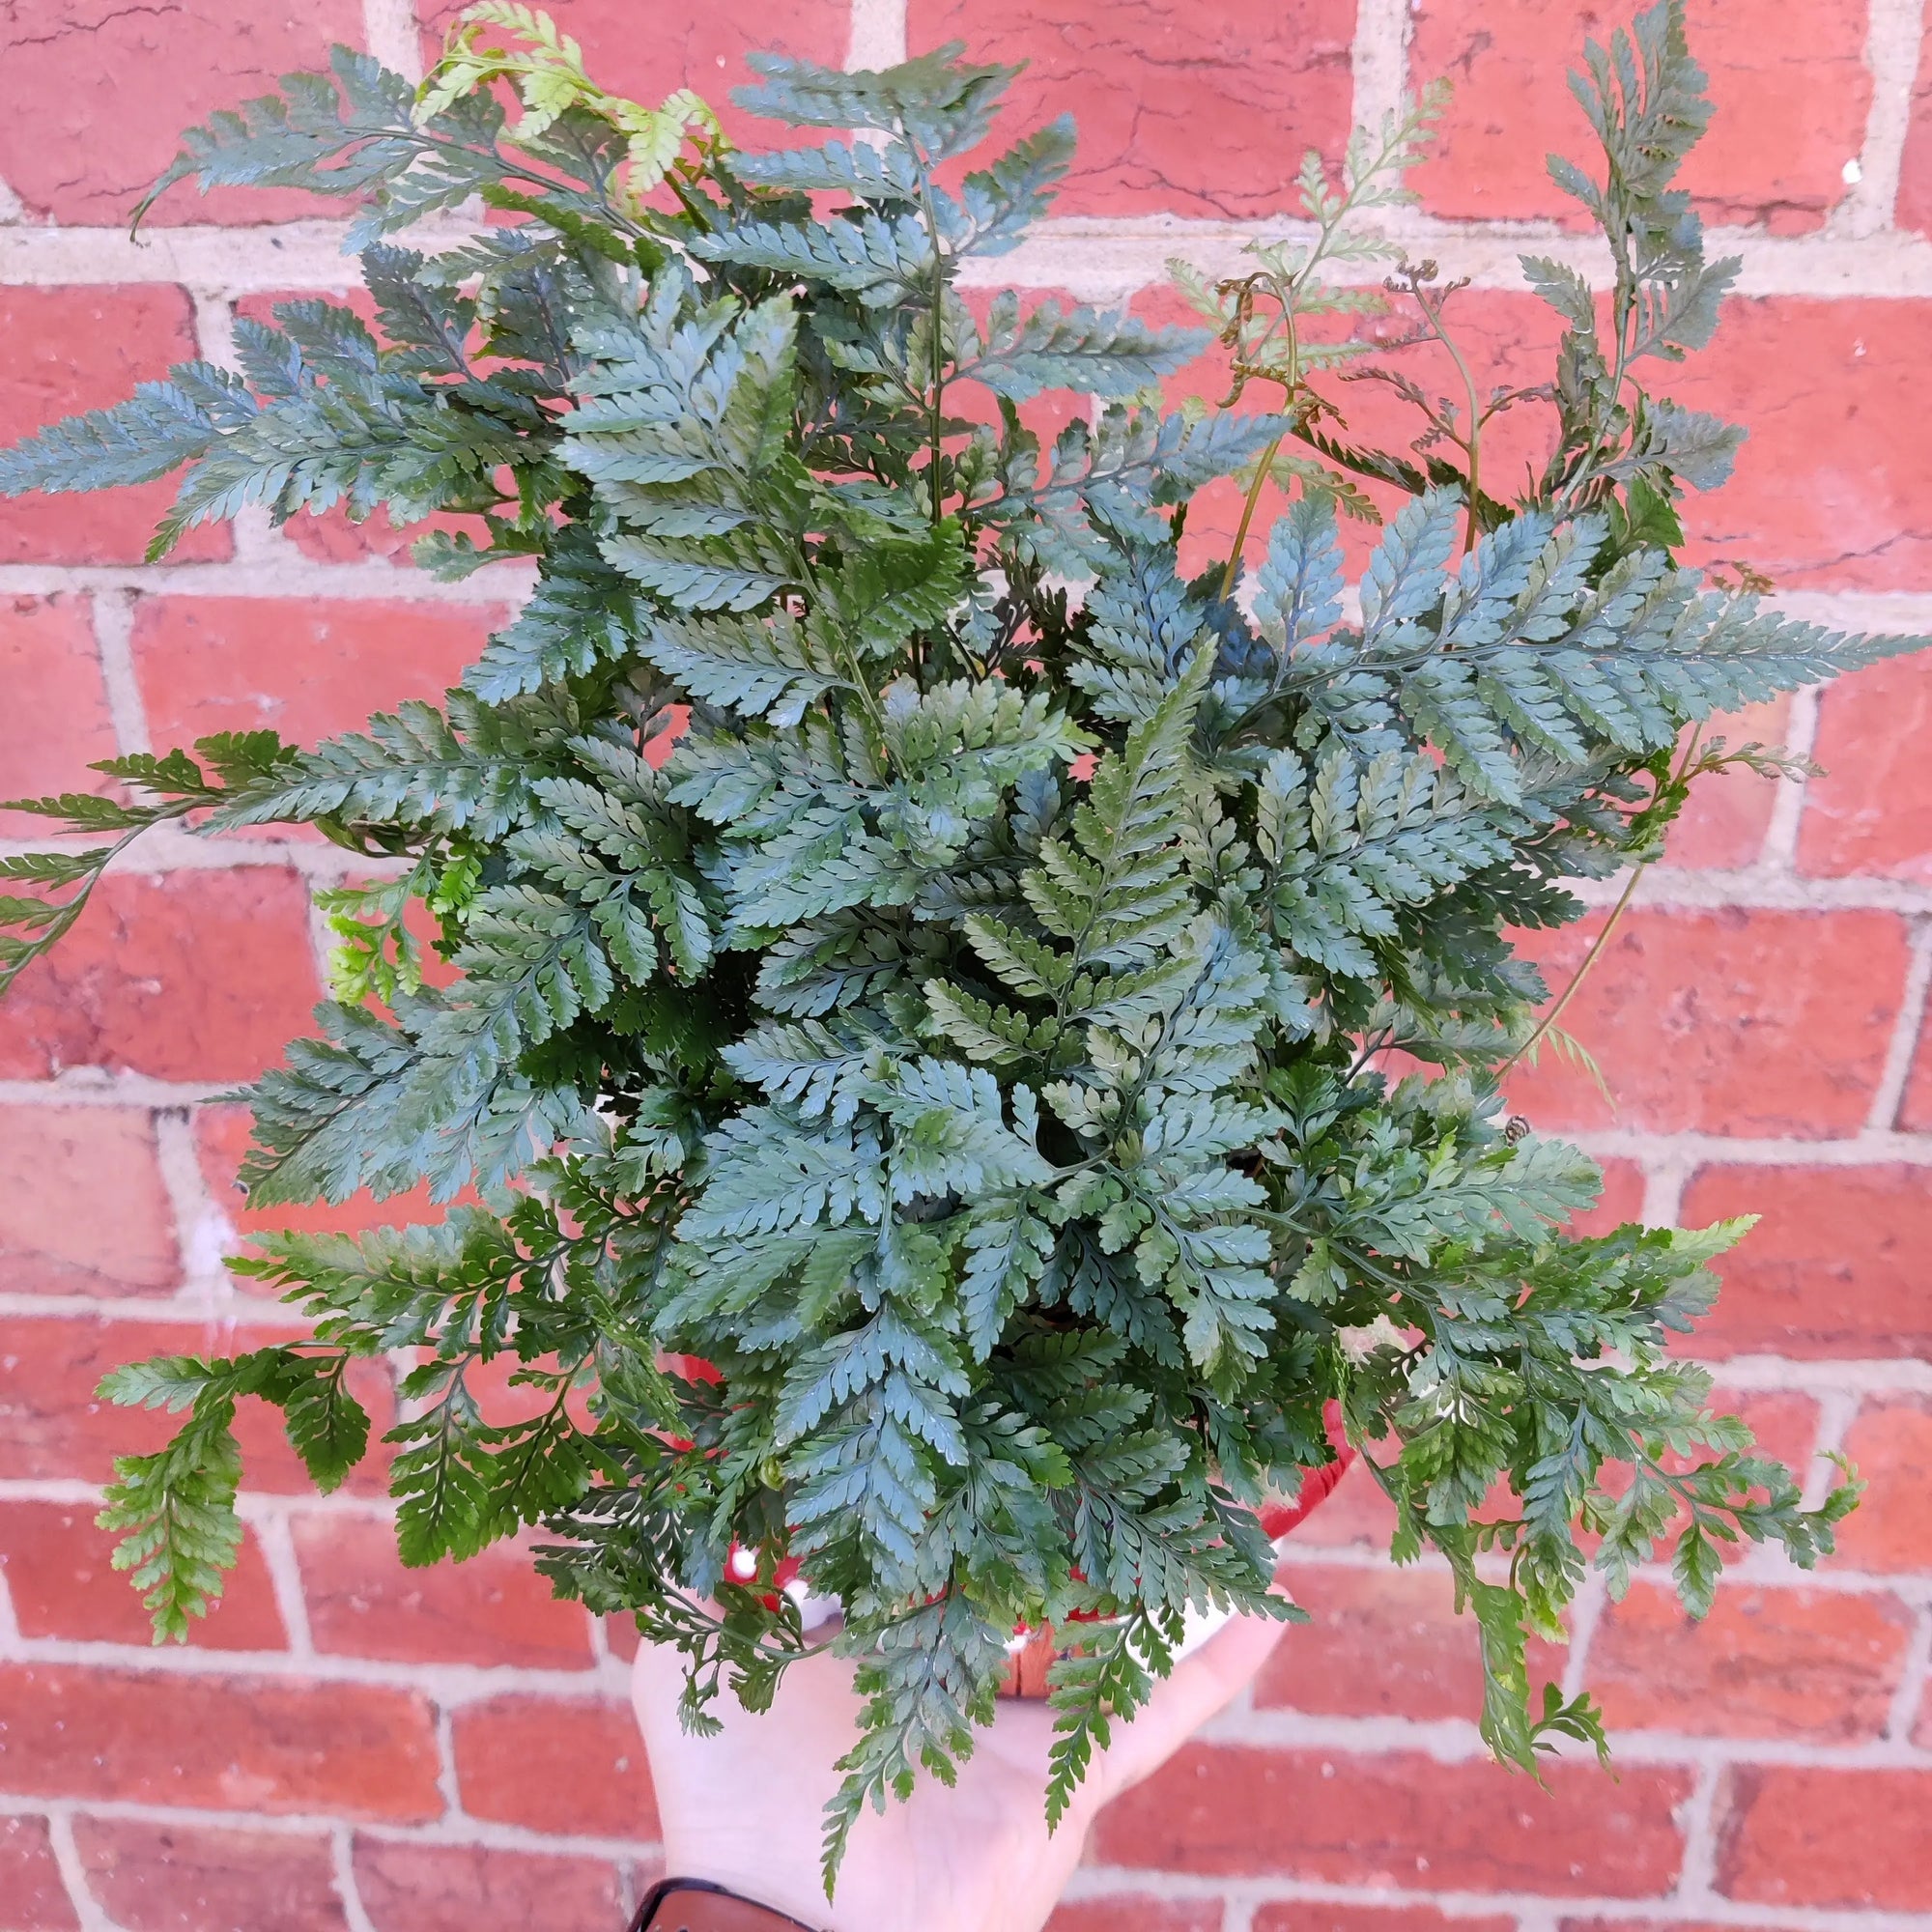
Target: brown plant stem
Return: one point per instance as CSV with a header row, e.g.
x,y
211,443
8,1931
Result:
x,y
1602,939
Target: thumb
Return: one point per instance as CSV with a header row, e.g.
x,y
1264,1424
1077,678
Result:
x,y
1200,1687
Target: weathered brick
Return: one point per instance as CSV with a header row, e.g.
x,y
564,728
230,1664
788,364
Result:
x,y
1914,180
1890,1441
646,52
1830,484
73,349
1380,1643
426,1887
1791,106
33,1896
193,1878
62,1583
57,723
1179,111
1134,1913
308,669
1805,1835
1312,1916
1729,1022
190,976
94,97
1789,1663
1871,812
50,1423
231,1744
556,1765
493,1608
1402,1820
1833,1268
53,1425
57,1165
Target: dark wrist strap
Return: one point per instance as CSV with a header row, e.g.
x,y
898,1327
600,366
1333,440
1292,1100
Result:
x,y
694,1905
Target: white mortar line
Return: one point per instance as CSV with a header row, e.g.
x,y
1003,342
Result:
x,y
1892,34
1458,1741
254,1506
262,1506
1103,258
1097,256
95,1086
113,639
1838,1410
291,575
1864,1150
1761,888
193,1304
1801,736
1892,613
456,1830
1899,1055
342,1863
878,34
1100,1881
321,942
202,1233
1881,1375
1586,1612
1698,1870
1664,1183
277,1545
1760,1570
445,1759
73,1872
172,849
258,543
1897,614
452,1685
1379,61
12,207
213,326
10,1623
1909,1698
389,33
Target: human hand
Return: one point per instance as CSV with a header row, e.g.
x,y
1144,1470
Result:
x,y
744,1809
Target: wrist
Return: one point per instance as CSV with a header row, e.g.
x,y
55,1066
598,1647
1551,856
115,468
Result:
x,y
700,1905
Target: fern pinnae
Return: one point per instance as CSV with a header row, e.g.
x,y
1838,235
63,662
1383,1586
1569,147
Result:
x,y
875,924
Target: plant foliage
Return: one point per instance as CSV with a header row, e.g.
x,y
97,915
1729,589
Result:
x,y
911,944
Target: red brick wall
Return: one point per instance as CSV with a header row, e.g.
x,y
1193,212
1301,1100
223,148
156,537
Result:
x,y
345,1745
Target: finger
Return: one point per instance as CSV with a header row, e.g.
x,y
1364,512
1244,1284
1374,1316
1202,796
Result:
x,y
1202,1686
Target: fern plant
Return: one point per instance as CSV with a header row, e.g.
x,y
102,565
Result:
x,y
918,959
